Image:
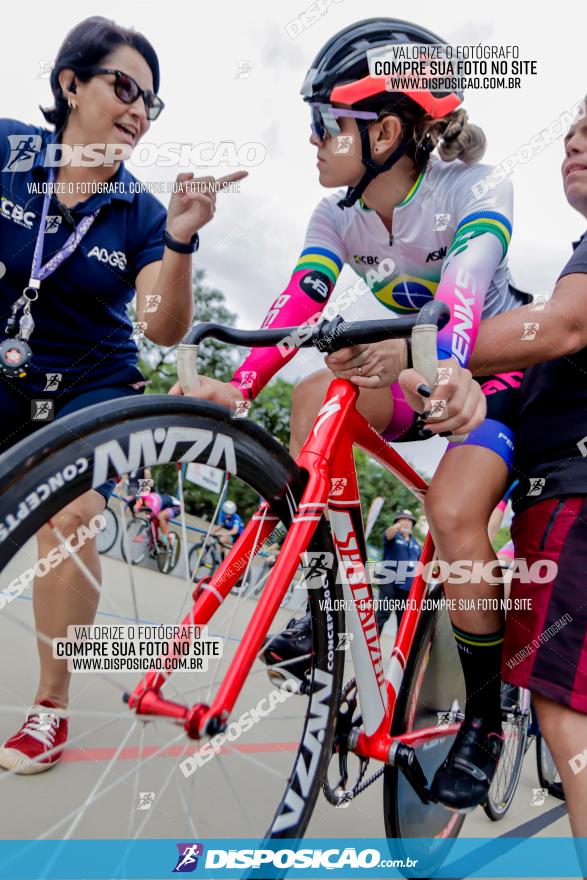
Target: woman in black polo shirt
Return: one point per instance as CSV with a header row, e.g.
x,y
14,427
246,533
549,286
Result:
x,y
77,241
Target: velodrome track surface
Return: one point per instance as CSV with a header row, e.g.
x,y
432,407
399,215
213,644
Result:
x,y
30,805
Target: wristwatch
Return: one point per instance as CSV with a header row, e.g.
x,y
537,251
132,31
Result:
x,y
181,247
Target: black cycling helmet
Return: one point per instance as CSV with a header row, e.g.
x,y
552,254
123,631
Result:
x,y
340,74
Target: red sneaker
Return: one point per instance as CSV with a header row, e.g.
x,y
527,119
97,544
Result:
x,y
38,744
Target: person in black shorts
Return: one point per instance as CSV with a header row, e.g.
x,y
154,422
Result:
x,y
545,647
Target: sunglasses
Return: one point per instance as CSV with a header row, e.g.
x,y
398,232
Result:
x,y
128,90
324,119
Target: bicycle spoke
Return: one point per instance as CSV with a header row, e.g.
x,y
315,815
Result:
x,y
110,787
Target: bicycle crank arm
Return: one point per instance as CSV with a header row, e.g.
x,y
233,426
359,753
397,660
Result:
x,y
404,757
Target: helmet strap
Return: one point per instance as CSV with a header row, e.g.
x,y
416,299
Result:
x,y
354,193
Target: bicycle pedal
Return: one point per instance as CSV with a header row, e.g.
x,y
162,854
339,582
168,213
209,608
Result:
x,y
404,757
280,678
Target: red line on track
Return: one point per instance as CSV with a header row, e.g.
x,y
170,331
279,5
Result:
x,y
133,753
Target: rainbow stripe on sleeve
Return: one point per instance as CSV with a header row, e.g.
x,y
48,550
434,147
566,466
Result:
x,y
478,223
321,259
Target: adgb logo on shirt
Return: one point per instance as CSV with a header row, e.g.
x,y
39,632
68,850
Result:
x,y
116,259
23,151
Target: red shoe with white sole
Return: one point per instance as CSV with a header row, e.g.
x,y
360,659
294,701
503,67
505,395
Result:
x,y
38,745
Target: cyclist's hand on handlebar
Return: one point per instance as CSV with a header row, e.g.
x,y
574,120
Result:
x,y
376,365
211,389
193,203
457,406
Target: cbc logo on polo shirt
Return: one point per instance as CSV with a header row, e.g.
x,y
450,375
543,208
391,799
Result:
x,y
116,259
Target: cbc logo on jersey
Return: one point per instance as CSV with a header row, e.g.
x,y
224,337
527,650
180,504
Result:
x,y
116,259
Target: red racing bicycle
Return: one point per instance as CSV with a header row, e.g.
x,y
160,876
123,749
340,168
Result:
x,y
229,752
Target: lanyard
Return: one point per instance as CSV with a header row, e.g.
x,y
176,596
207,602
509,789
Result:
x,y
39,272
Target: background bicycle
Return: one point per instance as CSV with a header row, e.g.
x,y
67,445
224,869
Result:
x,y
142,537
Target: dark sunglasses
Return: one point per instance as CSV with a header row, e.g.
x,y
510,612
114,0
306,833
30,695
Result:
x,y
128,90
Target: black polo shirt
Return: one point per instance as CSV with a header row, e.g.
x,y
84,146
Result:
x,y
82,328
551,441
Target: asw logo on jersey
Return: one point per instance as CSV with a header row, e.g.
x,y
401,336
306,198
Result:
x,y
436,255
330,407
116,259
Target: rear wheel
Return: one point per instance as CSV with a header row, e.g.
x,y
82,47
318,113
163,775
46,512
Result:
x,y
262,775
432,692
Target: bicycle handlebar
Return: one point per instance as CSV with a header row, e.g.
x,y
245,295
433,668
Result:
x,y
327,337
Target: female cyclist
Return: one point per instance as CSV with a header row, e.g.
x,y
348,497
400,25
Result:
x,y
411,223
78,239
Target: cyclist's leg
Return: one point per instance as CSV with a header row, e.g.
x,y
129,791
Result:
x,y
164,516
308,396
466,487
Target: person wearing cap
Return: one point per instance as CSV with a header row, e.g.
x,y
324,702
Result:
x,y
399,546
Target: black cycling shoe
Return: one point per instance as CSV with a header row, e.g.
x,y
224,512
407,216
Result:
x,y
463,780
284,648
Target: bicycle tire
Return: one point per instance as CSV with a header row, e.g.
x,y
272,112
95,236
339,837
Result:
x,y
427,688
207,564
135,528
101,441
547,771
106,539
167,556
497,803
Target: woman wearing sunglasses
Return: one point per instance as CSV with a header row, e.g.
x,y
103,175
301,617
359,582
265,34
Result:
x,y
77,241
412,224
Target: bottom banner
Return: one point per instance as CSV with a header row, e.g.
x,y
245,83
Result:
x,y
510,857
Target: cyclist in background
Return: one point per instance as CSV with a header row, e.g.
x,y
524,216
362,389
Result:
x,y
229,525
413,225
163,506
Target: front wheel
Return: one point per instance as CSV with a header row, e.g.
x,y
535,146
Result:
x,y
259,774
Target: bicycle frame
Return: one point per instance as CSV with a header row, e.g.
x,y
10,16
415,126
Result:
x,y
327,457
